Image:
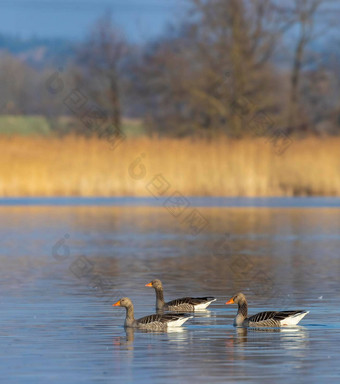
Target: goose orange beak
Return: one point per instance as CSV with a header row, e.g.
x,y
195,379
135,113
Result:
x,y
231,301
116,304
148,285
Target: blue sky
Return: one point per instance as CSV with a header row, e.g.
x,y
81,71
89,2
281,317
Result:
x,y
71,19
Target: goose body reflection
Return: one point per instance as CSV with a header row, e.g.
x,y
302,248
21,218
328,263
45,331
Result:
x,y
289,338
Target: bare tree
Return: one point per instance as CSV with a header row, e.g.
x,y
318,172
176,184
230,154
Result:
x,y
198,78
304,15
99,67
18,81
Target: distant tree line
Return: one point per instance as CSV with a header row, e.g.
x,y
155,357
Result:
x,y
236,67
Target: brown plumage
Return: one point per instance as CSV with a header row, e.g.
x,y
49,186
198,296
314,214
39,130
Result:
x,y
155,322
186,304
263,319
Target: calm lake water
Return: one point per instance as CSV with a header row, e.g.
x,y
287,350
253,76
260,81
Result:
x,y
62,268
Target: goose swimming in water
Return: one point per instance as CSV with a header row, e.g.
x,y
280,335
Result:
x,y
186,304
156,322
263,319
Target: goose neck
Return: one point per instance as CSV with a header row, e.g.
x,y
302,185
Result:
x,y
159,298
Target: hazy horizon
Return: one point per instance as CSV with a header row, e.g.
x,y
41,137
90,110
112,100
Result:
x,y
139,20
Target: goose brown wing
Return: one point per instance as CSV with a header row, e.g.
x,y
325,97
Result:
x,y
200,300
161,318
284,314
189,300
272,315
262,316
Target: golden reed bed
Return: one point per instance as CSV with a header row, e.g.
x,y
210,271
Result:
x,y
75,166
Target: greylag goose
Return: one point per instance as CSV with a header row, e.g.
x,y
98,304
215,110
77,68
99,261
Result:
x,y
186,304
156,322
263,319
